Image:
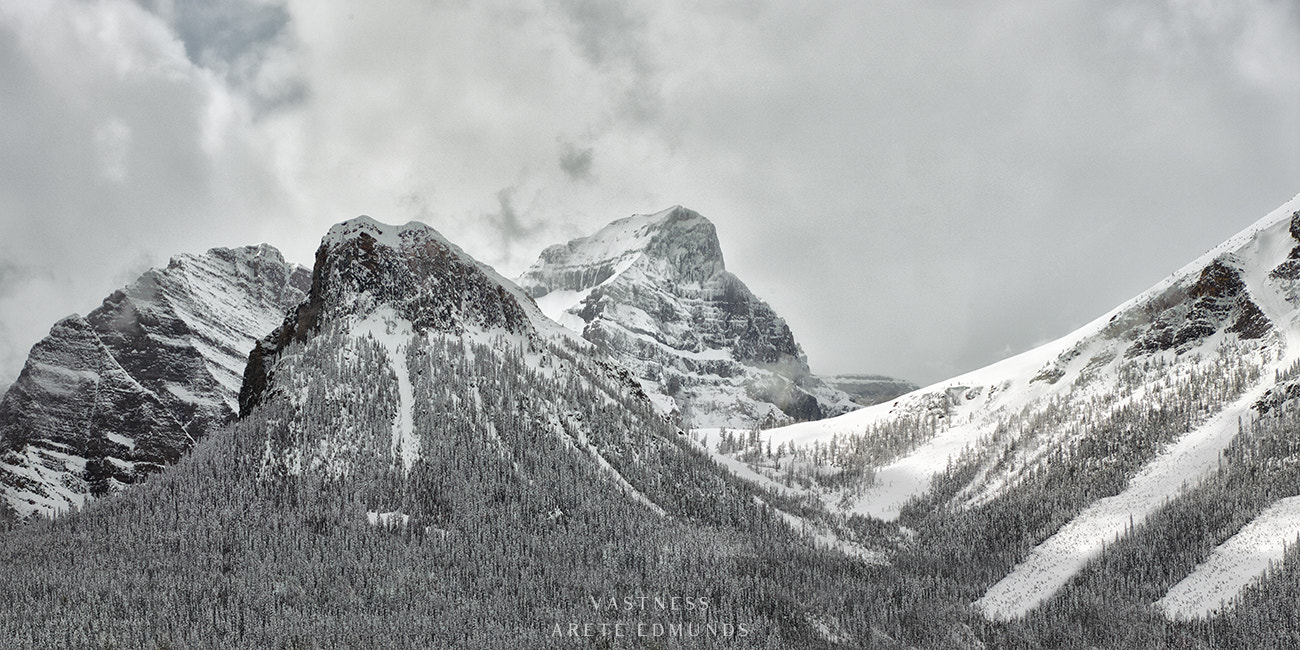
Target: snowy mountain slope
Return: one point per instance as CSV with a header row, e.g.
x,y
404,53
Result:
x,y
71,384
1051,564
1141,401
422,459
105,400
185,331
1260,545
388,305
427,282
406,345
1223,317
652,290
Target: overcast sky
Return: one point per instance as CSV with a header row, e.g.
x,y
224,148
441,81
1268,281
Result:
x,y
920,188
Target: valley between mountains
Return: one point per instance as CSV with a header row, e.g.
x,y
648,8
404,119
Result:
x,y
399,447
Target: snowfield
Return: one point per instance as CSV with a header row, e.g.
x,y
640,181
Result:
x,y
1235,564
1051,564
1184,464
394,333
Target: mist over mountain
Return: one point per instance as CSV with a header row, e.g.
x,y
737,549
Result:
x,y
652,290
423,454
423,458
110,398
868,390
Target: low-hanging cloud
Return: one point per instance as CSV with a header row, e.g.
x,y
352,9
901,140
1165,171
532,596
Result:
x,y
116,146
576,162
918,188
242,40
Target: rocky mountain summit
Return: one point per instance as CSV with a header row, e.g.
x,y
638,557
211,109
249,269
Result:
x,y
410,272
107,399
423,458
409,359
426,456
652,291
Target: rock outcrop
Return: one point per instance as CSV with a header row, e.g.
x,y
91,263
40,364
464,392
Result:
x,y
105,400
653,291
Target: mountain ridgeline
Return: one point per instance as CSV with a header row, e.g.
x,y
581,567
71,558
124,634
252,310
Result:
x,y
108,399
653,292
423,458
1157,441
423,279
424,455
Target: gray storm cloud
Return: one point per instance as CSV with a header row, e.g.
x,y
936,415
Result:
x,y
919,189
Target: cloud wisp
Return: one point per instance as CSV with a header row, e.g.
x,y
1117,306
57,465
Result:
x,y
919,189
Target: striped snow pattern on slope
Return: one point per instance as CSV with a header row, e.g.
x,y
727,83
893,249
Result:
x,y
983,398
1236,563
1184,464
1051,564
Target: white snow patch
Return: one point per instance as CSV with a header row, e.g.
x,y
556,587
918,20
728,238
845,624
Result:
x,y
388,519
121,440
185,394
1051,564
59,380
967,426
1235,564
394,333
556,306
120,464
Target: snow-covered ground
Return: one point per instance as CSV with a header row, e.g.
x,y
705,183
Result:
x,y
1004,387
1236,563
1051,564
394,333
708,440
1183,464
1084,360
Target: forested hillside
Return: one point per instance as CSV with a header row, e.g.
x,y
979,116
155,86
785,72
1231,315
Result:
x,y
424,460
501,528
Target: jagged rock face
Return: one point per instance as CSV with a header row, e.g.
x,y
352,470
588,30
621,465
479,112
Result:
x,y
105,400
653,291
429,281
1288,272
405,339
1217,298
362,265
184,332
72,385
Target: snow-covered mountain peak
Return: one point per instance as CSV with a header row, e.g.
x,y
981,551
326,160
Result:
x,y
362,264
392,236
653,291
1230,313
410,275
673,245
108,399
